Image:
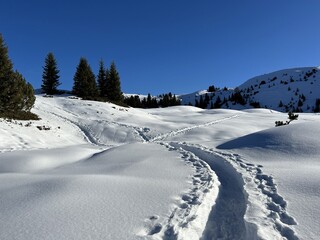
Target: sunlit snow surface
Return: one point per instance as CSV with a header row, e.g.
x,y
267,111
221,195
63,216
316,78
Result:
x,y
108,172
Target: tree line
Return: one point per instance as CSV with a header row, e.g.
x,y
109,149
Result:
x,y
107,86
163,100
17,95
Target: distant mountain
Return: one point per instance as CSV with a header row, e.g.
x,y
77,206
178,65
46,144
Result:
x,y
295,89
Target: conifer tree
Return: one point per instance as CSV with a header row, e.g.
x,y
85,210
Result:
x,y
217,103
84,81
6,73
107,86
113,84
201,102
15,94
102,80
50,77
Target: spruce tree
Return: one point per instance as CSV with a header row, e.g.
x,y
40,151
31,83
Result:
x,y
50,77
113,84
217,103
107,86
6,75
102,80
84,81
16,95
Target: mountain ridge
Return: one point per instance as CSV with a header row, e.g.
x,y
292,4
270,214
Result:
x,y
294,89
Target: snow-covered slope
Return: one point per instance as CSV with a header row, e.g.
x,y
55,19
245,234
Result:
x,y
286,90
101,171
294,90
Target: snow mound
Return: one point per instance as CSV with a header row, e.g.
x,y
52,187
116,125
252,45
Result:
x,y
121,193
298,138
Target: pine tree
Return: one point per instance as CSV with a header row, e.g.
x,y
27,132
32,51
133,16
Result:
x,y
84,81
113,84
50,77
102,80
16,96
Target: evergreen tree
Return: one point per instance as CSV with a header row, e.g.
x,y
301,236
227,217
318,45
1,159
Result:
x,y
102,80
149,101
107,86
166,100
211,105
211,88
196,104
317,106
144,103
28,98
217,103
206,99
174,101
113,84
6,74
133,101
50,77
16,96
84,81
280,104
22,95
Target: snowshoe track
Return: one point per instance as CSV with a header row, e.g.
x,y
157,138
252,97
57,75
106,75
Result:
x,y
186,219
164,136
226,220
275,204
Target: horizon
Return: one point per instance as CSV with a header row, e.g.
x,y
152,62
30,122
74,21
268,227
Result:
x,y
177,47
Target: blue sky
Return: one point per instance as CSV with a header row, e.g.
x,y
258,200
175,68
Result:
x,y
163,45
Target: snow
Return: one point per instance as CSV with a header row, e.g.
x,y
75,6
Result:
x,y
291,154
107,172
296,88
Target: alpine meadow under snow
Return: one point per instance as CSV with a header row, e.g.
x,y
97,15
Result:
x,y
94,170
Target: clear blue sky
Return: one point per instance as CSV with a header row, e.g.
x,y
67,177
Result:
x,y
163,45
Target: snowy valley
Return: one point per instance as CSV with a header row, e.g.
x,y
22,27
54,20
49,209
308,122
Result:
x,y
94,170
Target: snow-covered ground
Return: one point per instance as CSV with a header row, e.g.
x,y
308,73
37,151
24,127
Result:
x,y
106,172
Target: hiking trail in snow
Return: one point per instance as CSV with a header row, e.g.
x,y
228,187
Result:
x,y
238,182
222,187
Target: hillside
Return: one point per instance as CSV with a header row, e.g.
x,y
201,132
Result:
x,y
93,170
294,90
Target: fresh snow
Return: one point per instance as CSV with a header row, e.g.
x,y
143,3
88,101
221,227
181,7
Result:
x,y
107,172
